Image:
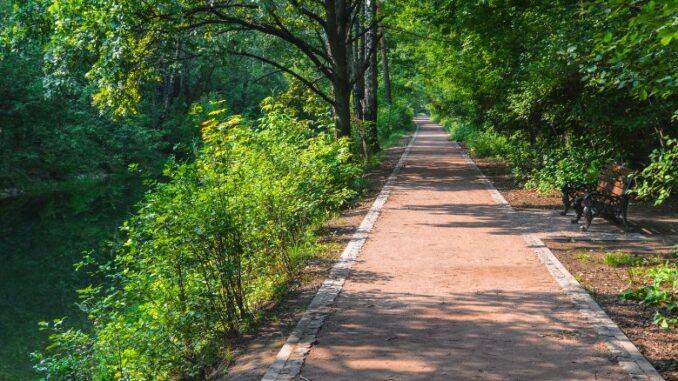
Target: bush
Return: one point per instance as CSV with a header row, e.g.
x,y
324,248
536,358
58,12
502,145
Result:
x,y
659,179
205,250
393,118
458,131
488,143
575,162
619,259
542,166
662,294
484,142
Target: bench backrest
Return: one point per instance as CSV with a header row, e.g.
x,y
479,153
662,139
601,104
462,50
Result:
x,y
605,181
614,180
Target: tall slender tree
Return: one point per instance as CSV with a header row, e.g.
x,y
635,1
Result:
x,y
371,77
385,72
358,62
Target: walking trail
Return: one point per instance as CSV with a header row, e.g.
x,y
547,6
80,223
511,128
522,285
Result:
x,y
446,289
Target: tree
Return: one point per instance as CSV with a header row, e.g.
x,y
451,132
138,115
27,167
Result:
x,y
385,72
571,86
371,80
358,62
128,43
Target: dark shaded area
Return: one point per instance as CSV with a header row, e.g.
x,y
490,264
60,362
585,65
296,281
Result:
x,y
41,237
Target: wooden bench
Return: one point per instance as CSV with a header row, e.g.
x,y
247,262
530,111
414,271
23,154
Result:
x,y
609,197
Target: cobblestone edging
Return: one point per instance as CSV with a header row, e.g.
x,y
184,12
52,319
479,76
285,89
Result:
x,y
290,359
631,360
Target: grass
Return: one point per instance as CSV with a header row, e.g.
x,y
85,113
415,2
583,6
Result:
x,y
620,258
581,279
392,139
583,257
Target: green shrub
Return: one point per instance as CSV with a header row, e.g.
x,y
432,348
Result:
x,y
619,258
545,167
480,142
488,143
458,130
393,118
542,166
661,294
659,179
205,250
583,257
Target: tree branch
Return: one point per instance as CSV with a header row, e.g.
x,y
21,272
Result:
x,y
296,75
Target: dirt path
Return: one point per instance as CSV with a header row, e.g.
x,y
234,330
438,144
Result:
x,y
445,289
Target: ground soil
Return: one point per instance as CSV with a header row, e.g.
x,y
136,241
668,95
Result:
x,y
584,260
252,354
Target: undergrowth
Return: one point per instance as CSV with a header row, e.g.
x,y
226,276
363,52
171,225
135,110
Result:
x,y
209,247
620,258
661,293
541,165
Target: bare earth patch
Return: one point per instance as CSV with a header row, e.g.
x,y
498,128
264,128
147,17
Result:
x,y
584,260
252,354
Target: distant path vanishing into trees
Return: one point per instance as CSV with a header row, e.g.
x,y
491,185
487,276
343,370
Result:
x,y
446,288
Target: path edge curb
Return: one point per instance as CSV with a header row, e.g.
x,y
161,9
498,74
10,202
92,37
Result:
x,y
290,359
627,354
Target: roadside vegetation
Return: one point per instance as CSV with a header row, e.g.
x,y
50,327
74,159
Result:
x,y
557,88
662,291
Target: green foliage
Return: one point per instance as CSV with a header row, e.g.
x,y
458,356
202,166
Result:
x,y
619,258
44,232
543,166
458,131
660,178
570,86
481,142
576,163
488,143
394,117
636,47
206,248
77,349
583,257
661,294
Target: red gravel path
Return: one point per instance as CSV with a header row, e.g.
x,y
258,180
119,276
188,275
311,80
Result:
x,y
445,289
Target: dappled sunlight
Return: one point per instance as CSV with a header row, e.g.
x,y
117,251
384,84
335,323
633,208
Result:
x,y
446,288
488,335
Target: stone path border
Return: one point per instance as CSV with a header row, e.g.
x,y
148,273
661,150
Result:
x,y
631,360
606,237
290,359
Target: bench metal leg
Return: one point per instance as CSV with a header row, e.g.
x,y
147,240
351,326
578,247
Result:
x,y
624,213
567,202
578,208
588,218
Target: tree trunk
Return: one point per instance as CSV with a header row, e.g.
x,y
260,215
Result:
x,y
358,60
384,66
338,31
371,80
342,108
